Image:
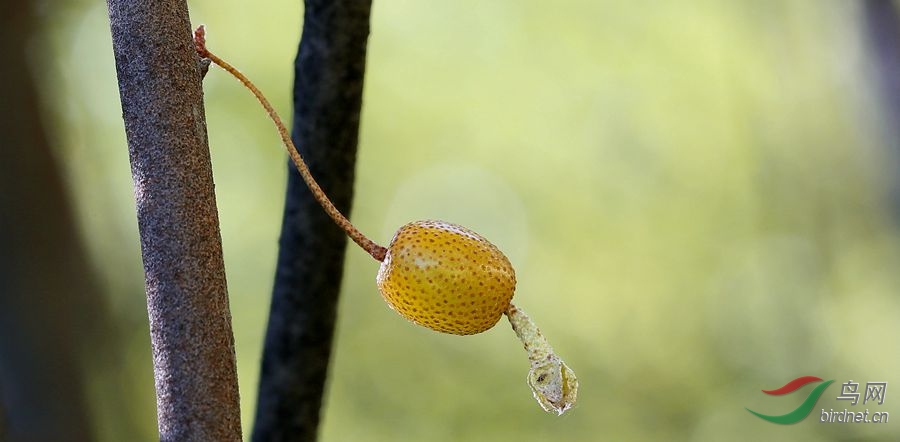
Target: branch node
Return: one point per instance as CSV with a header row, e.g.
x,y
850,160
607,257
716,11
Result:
x,y
204,67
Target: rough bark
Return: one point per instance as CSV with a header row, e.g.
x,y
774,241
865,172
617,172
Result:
x,y
329,71
49,308
187,301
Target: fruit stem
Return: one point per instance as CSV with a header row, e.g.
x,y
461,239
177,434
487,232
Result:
x,y
552,382
378,252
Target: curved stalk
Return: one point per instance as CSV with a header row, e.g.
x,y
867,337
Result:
x,y
367,244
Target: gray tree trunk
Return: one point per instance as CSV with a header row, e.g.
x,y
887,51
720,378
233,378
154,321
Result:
x,y
187,301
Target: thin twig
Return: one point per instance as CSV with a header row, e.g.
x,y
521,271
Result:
x,y
378,252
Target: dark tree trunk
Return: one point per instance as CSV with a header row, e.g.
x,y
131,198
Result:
x,y
49,308
187,301
328,85
882,28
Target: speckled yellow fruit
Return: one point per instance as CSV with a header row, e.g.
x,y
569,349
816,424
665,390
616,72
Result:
x,y
446,277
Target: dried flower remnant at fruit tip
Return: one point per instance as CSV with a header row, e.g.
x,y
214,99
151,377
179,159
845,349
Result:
x,y
552,382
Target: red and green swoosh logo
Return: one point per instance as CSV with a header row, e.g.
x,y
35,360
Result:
x,y
803,410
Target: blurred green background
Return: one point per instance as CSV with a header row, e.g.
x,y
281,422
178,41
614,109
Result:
x,y
699,201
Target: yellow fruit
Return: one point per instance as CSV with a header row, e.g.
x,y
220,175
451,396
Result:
x,y
441,275
446,277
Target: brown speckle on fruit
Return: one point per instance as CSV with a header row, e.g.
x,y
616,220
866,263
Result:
x,y
442,268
